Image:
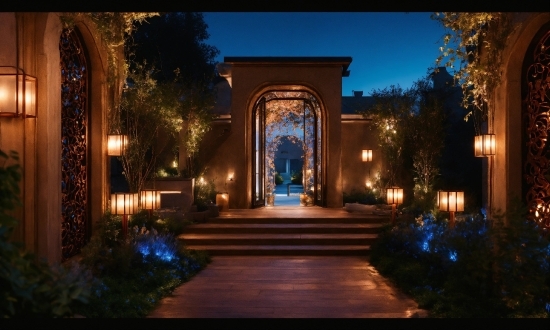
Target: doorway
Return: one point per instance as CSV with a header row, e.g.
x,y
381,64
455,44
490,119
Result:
x,y
287,133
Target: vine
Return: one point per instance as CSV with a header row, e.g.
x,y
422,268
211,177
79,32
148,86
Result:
x,y
477,41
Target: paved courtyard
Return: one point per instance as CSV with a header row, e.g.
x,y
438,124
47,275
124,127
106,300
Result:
x,y
287,287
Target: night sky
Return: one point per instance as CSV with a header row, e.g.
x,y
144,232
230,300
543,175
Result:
x,y
387,48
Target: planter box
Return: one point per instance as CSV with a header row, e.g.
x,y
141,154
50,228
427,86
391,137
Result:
x,y
174,192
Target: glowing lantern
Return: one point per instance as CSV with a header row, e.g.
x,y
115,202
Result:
x,y
485,145
451,201
18,92
124,204
150,199
367,155
222,200
394,197
116,144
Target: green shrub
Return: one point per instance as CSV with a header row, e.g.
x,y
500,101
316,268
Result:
x,y
479,268
296,177
30,287
278,178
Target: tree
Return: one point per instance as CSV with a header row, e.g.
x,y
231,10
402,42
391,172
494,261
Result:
x,y
175,43
147,108
426,132
391,111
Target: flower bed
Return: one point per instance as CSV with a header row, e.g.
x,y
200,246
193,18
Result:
x,y
479,268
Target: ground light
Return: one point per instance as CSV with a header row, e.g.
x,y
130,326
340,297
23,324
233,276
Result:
x,y
451,201
124,204
394,197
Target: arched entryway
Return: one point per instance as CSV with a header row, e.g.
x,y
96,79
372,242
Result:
x,y
296,116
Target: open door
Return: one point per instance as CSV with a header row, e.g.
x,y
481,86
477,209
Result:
x,y
258,175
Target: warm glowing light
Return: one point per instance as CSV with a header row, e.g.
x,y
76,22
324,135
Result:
x,y
222,200
18,92
394,195
368,184
485,145
174,164
124,203
116,144
451,201
150,199
367,155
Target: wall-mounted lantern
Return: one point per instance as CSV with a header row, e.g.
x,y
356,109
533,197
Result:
x,y
485,145
394,197
124,204
18,92
451,201
366,155
116,144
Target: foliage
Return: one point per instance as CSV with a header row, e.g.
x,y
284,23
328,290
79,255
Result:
x,y
205,194
477,41
30,287
296,177
479,268
149,108
278,179
114,29
190,62
367,197
132,275
411,133
392,109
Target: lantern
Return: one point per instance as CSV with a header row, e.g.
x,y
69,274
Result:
x,y
116,144
485,145
150,200
451,201
394,197
367,155
18,92
124,204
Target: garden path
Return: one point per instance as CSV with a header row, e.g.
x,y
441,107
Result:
x,y
287,287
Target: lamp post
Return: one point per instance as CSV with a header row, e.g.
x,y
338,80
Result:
x,y
394,197
451,201
150,200
485,145
124,204
18,92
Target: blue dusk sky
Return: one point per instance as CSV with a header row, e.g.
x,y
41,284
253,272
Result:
x,y
386,48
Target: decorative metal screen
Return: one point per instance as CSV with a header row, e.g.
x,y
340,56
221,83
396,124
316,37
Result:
x,y
536,119
74,121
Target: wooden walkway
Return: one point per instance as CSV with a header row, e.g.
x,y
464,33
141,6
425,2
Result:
x,y
287,287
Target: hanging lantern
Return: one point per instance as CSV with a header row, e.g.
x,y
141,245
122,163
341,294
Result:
x,y
367,155
116,144
150,199
485,145
394,195
18,92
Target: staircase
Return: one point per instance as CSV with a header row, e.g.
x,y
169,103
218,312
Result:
x,y
297,231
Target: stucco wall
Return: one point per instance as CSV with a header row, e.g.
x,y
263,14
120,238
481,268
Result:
x,y
356,136
38,139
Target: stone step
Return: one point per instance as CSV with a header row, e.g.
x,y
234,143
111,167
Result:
x,y
284,250
277,239
255,228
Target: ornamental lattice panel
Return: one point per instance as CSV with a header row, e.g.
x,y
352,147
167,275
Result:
x,y
74,121
536,119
